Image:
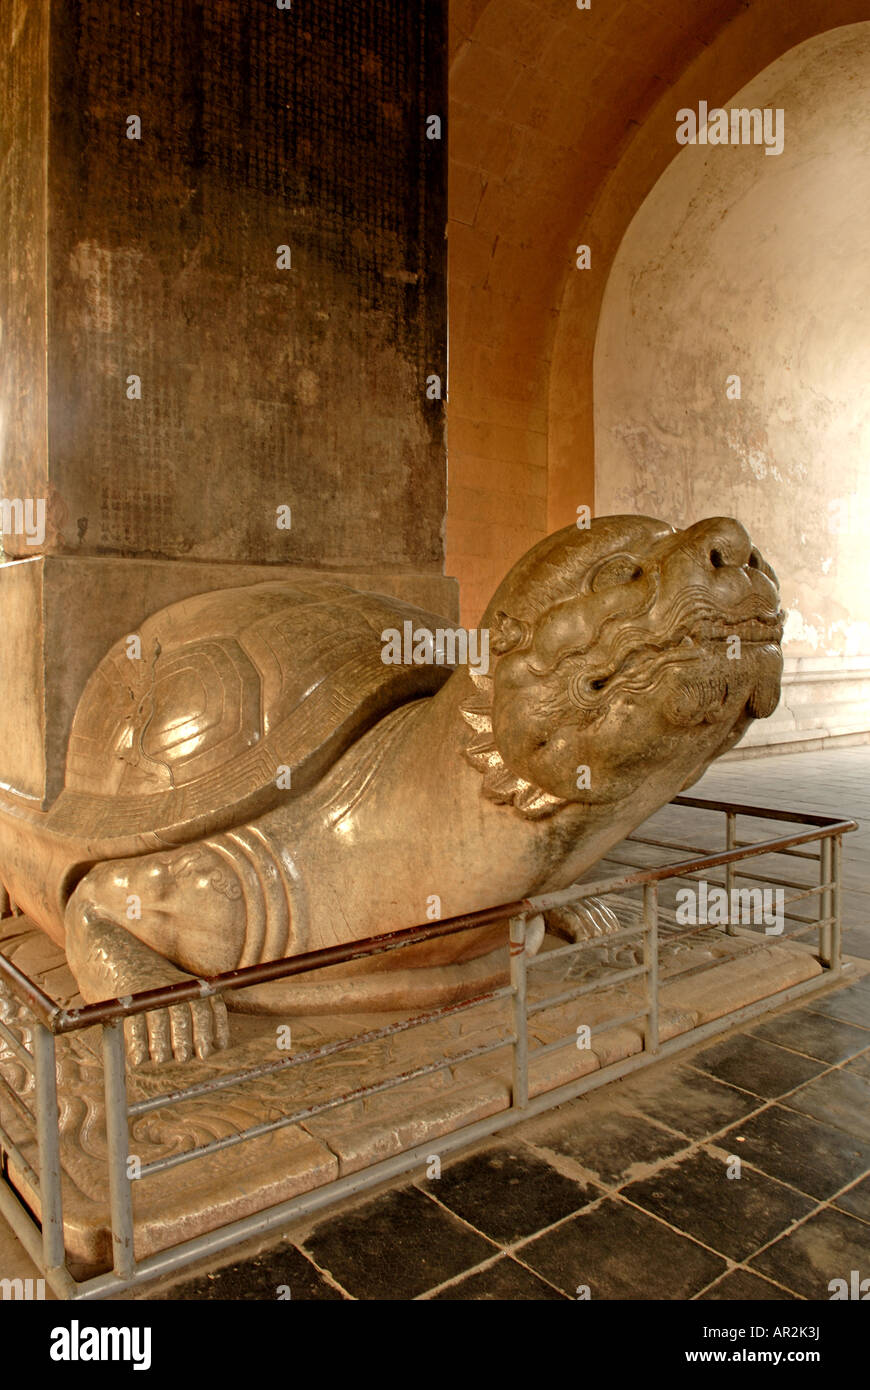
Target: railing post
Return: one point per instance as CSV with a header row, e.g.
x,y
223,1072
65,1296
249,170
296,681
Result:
x,y
836,894
651,964
826,934
521,1034
730,843
118,1136
48,1139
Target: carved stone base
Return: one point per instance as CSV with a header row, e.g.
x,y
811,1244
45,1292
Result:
x,y
190,1199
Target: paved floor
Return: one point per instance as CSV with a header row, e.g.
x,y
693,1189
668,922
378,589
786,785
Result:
x,y
834,783
743,1173
739,1172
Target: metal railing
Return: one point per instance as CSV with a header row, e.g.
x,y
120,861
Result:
x,y
650,924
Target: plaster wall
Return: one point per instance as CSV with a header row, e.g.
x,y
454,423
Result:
x,y
742,264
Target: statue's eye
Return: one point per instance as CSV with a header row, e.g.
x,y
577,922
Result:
x,y
617,569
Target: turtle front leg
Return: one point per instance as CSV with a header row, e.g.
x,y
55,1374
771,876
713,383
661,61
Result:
x,y
108,961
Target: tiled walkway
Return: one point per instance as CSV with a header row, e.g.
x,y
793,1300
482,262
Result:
x,y
740,1171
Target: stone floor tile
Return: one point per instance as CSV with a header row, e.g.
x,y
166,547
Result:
x,y
799,1150
733,1215
813,1034
508,1193
851,1005
281,1272
688,1101
619,1252
827,1246
758,1066
395,1246
856,941
505,1280
861,1064
740,1285
611,1148
856,1200
840,1098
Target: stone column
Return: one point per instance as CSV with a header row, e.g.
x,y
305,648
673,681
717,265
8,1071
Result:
x,y
222,302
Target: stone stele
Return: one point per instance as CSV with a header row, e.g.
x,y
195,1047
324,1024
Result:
x,y
251,779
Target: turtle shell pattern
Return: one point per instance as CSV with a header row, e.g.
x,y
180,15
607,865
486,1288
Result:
x,y
232,687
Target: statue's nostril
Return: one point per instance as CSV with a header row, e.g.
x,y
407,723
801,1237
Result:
x,y
754,560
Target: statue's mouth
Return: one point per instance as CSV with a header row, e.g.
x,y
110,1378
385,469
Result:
x,y
753,623
759,627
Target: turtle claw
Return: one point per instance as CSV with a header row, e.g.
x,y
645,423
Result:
x,y
211,1032
178,1033
108,962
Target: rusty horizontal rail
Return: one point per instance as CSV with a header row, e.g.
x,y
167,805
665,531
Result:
x,y
765,813
685,867
60,1020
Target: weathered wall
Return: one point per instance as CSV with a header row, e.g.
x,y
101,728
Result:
x,y
260,386
743,263
562,120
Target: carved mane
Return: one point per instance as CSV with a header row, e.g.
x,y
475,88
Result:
x,y
499,783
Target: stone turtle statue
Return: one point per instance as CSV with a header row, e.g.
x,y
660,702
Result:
x,y
261,783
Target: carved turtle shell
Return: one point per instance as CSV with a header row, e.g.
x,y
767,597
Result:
x,y
231,688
